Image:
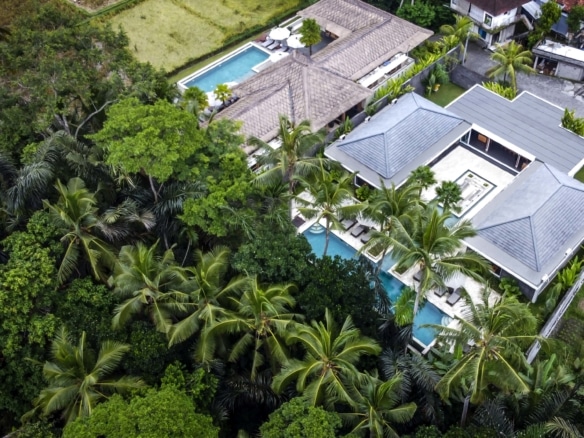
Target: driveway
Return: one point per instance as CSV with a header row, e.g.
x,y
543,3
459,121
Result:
x,y
557,91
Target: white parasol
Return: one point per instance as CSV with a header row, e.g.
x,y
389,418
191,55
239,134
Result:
x,y
279,33
294,42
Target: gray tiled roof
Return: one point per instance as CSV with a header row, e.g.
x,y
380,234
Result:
x,y
398,139
530,225
297,88
527,122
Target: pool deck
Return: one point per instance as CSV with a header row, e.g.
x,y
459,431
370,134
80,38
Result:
x,y
461,160
473,288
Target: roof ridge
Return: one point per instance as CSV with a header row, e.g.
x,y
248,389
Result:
x,y
498,224
306,92
534,242
347,41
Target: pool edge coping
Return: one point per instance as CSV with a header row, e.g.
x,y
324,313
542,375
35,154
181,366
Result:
x,y
180,83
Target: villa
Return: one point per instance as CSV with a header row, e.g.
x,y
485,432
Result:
x,y
367,47
512,159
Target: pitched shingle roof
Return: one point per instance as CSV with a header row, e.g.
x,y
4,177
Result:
x,y
322,89
530,225
369,36
345,15
398,139
359,53
497,7
297,88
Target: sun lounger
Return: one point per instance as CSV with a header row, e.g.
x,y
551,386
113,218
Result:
x,y
440,292
418,276
454,296
267,42
348,223
367,236
273,46
357,230
298,221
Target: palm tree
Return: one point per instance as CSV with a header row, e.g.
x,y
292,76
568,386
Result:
x,y
76,213
208,300
330,197
327,373
378,406
261,318
510,59
494,335
310,33
422,177
449,195
437,250
223,93
419,378
78,380
393,209
291,159
461,32
195,100
168,206
151,284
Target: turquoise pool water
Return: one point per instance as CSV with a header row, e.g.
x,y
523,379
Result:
x,y
235,69
429,314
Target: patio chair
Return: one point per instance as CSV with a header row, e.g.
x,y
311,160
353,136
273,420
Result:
x,y
367,236
357,230
454,296
348,223
418,276
298,221
267,42
441,291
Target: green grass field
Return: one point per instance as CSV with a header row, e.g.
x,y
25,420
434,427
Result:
x,y
169,33
446,94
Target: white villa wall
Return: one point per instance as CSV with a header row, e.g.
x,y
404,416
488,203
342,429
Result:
x,y
569,71
505,21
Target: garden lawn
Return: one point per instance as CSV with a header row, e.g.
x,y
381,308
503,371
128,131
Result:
x,y
446,94
169,33
580,175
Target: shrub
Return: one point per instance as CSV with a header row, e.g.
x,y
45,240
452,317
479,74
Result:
x,y
501,90
573,123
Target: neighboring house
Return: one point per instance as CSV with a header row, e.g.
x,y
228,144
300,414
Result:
x,y
532,12
401,137
531,229
555,59
512,159
326,87
494,20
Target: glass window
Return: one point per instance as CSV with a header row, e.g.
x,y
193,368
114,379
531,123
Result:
x,y
488,19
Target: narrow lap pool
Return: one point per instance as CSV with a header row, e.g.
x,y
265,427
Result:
x,y
234,68
429,314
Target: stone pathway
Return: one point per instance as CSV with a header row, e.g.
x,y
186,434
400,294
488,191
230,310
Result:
x,y
555,90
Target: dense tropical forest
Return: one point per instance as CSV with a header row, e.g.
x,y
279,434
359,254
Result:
x,y
151,285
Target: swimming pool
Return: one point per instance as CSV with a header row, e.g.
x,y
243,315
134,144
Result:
x,y
429,314
234,68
